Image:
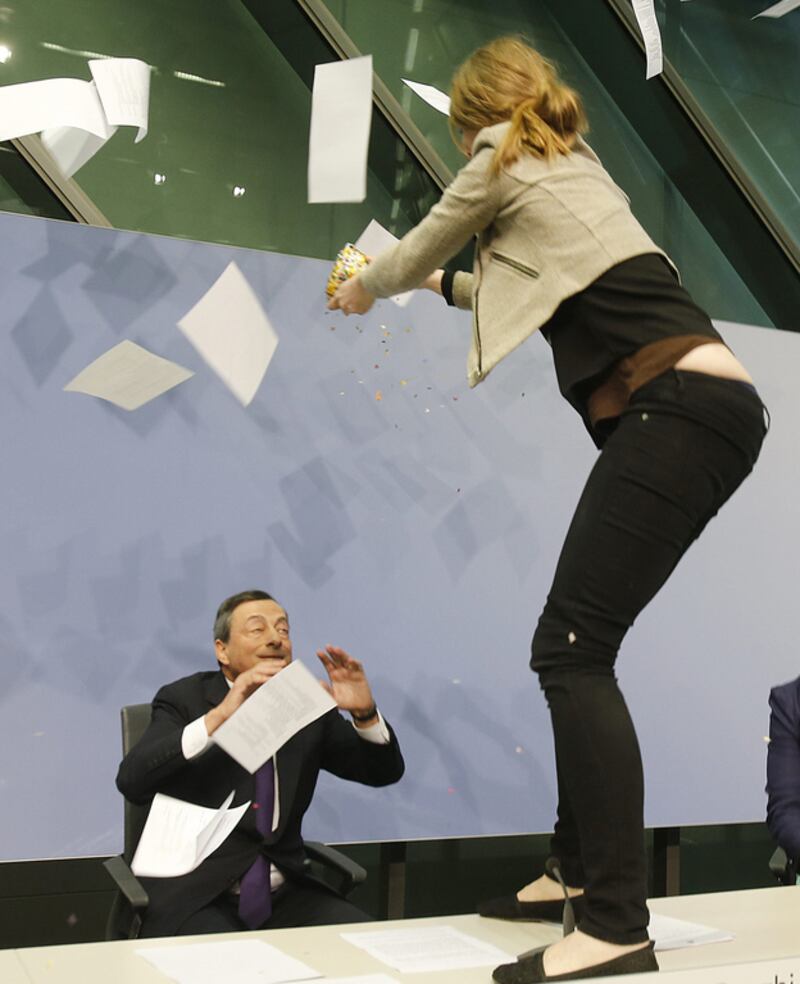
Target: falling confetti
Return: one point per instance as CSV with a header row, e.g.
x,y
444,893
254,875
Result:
x,y
571,638
404,382
378,396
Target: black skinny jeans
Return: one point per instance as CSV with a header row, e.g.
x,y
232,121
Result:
x,y
681,448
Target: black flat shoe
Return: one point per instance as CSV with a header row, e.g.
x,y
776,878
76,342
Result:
x,y
509,907
531,970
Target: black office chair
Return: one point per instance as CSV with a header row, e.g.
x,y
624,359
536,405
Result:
x,y
783,867
127,911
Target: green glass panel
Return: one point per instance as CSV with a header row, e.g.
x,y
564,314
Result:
x,y
745,74
424,40
227,112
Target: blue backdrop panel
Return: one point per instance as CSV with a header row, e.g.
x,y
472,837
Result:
x,y
419,530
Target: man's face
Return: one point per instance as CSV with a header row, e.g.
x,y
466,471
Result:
x,y
259,632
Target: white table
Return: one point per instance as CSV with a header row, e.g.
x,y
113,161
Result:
x,y
11,969
765,923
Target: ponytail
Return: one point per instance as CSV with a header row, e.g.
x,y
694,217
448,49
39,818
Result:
x,y
508,80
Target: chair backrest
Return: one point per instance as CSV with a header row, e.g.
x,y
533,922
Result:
x,y
135,719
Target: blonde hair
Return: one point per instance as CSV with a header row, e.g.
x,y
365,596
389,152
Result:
x,y
506,79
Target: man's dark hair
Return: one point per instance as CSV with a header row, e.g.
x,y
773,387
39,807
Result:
x,y
222,621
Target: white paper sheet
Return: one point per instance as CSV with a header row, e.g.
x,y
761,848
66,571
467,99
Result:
x,y
428,948
431,95
268,718
33,106
123,85
230,962
651,35
672,934
363,979
179,836
232,333
74,117
128,376
374,240
779,9
71,147
341,115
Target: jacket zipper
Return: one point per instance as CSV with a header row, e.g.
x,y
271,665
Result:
x,y
514,264
477,321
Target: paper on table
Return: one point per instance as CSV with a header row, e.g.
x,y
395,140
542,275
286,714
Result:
x,y
268,718
374,240
651,35
341,115
234,962
427,948
232,333
363,979
431,95
779,9
672,934
128,376
179,836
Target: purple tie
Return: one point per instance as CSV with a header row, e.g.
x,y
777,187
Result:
x,y
255,898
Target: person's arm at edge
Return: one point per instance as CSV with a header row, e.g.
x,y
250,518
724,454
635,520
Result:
x,y
783,769
466,207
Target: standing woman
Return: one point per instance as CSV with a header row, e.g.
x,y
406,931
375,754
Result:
x,y
673,411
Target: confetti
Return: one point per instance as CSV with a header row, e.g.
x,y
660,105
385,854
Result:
x,y
404,382
378,395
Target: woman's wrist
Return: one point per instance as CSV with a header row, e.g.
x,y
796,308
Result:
x,y
434,282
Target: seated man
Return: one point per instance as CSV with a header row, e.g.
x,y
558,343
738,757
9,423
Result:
x,y
256,877
783,768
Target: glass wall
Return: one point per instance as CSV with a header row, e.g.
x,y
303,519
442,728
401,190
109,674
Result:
x,y
745,75
425,40
226,155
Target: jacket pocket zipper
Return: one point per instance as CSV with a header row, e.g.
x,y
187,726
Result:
x,y
508,261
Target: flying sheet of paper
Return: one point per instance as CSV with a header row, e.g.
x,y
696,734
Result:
x,y
651,35
779,9
431,95
179,836
234,962
374,240
672,934
128,376
123,85
341,115
117,95
268,718
232,333
71,147
427,948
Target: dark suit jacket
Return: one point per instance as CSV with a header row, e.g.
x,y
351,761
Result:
x,y
783,767
157,765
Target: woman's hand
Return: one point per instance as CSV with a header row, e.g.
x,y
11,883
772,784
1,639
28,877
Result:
x,y
351,298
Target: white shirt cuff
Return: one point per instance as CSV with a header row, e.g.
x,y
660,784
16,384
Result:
x,y
195,739
377,733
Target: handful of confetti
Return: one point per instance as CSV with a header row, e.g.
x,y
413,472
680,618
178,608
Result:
x,y
349,261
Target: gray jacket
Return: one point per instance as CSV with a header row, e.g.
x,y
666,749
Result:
x,y
546,230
